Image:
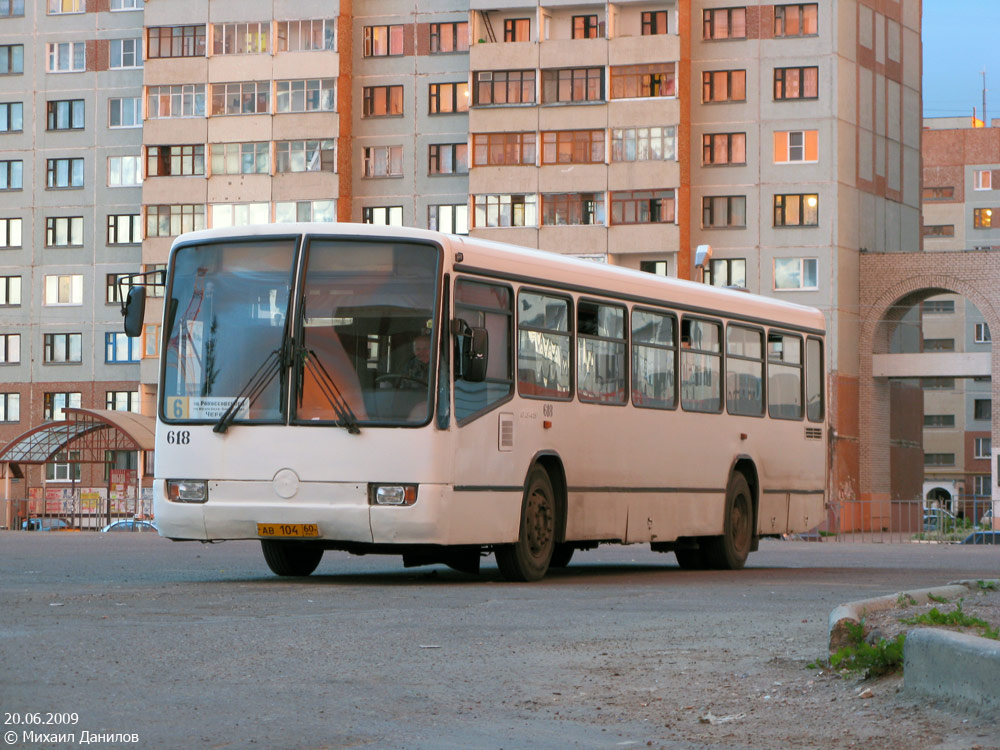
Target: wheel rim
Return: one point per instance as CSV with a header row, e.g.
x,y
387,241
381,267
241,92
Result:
x,y
538,523
739,523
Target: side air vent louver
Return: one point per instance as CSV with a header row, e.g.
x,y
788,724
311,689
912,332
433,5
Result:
x,y
814,433
506,432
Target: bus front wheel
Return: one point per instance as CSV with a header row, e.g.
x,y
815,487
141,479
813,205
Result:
x,y
529,557
730,551
291,558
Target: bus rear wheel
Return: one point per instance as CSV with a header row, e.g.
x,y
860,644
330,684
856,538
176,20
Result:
x,y
291,558
730,551
561,555
529,557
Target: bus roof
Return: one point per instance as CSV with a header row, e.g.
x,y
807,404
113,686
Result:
x,y
541,267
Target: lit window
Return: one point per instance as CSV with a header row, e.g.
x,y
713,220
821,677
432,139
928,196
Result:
x,y
796,210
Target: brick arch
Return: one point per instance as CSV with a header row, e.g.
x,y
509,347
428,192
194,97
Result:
x,y
884,290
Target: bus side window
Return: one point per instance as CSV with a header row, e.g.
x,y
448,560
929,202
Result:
x,y
701,365
784,375
814,380
543,346
487,306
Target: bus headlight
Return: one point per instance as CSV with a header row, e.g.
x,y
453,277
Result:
x,y
392,494
187,491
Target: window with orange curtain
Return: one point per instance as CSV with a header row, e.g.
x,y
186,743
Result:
x,y
791,146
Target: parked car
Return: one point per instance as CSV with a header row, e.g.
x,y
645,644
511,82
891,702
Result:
x,y
130,524
938,519
982,537
46,524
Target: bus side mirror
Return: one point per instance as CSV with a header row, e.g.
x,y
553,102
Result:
x,y
134,311
473,350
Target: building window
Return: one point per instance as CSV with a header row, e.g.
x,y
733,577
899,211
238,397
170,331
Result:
x,y
242,158
245,98
54,403
573,147
982,408
655,267
124,171
577,209
10,348
11,174
448,158
982,335
385,216
791,146
10,407
723,86
312,95
724,23
982,218
938,230
505,210
939,459
172,161
63,348
62,469
63,290
938,307
240,38
172,220
12,58
10,291
126,5
504,87
938,193
723,211
306,35
932,421
796,83
124,229
448,218
185,100
11,8
644,144
304,156
11,116
723,148
938,384
239,214
383,41
503,149
981,485
643,81
156,285
176,41
982,447
796,20
796,273
126,53
796,210
654,22
125,112
449,37
517,30
382,101
317,211
64,231
57,7
382,161
122,401
150,340
119,348
64,173
727,272
10,233
65,115
448,97
643,207
587,27
572,85
113,283
982,179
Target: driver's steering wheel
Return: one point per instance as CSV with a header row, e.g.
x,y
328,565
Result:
x,y
397,379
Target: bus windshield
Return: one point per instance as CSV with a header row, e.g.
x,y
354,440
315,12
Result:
x,y
359,339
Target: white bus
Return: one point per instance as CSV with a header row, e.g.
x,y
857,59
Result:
x,y
399,391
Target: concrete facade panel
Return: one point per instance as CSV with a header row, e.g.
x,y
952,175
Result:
x,y
639,50
589,240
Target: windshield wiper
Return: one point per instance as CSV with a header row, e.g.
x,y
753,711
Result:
x,y
255,386
328,387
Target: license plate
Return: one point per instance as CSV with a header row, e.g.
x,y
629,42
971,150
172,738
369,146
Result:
x,y
300,530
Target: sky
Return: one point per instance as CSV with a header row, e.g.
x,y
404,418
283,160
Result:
x,y
960,40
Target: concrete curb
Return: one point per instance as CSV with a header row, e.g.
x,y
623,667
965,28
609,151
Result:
x,y
937,663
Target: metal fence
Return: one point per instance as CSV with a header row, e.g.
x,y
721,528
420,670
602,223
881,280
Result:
x,y
915,520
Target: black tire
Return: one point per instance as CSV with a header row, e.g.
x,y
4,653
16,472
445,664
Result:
x,y
291,558
690,559
730,551
529,557
561,555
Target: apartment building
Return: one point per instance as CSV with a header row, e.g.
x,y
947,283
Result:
x,y
70,202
